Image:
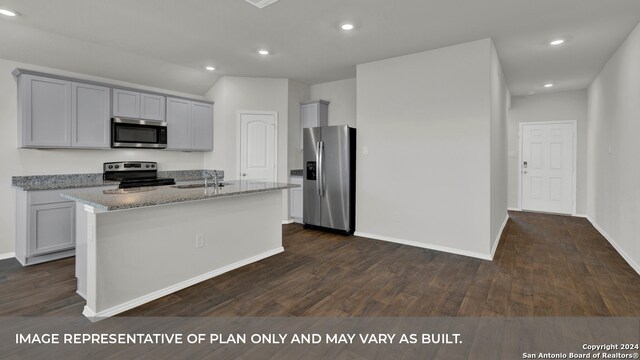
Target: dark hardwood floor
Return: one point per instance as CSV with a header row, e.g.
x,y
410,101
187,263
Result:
x,y
546,265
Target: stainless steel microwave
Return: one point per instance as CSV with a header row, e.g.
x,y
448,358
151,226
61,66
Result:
x,y
137,133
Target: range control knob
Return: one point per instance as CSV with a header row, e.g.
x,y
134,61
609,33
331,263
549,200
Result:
x,y
110,166
117,166
148,166
153,165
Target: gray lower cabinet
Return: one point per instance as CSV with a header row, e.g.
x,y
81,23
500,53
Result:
x,y
45,226
295,200
51,227
189,125
56,113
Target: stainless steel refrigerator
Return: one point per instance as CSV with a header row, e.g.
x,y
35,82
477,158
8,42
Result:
x,y
329,178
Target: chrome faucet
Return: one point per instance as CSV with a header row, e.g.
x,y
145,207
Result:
x,y
213,176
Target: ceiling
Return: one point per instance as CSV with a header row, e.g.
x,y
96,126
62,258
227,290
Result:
x,y
166,44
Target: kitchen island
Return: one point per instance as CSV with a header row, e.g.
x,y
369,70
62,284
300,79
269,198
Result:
x,y
136,245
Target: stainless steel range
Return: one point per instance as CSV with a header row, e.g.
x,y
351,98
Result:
x,y
132,174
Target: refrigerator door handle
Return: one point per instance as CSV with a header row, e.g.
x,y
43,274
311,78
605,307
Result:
x,y
320,162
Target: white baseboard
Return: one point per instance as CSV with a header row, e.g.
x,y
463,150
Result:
x,y
514,209
7,256
285,222
624,255
581,216
425,246
93,316
495,245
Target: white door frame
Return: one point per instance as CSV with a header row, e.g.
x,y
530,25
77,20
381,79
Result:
x,y
574,124
239,139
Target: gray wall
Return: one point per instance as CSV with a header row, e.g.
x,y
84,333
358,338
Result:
x,y
234,93
500,99
342,95
613,168
425,119
555,106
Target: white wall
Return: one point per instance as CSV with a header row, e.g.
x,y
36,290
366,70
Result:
x,y
500,99
16,162
234,93
425,119
613,150
555,106
342,97
298,92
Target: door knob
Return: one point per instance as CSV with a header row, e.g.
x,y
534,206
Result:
x,y
244,174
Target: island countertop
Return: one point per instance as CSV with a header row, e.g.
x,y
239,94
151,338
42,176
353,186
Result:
x,y
122,199
70,181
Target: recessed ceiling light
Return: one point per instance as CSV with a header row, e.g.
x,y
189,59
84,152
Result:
x,y
210,68
557,42
6,12
263,52
347,27
548,85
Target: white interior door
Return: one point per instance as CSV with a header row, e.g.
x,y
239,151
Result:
x,y
258,131
548,167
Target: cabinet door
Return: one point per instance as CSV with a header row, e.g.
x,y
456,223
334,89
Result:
x,y
296,204
308,118
45,112
126,103
152,107
178,124
90,109
51,227
313,114
201,126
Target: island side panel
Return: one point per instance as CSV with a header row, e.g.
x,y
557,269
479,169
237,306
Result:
x,y
145,253
81,249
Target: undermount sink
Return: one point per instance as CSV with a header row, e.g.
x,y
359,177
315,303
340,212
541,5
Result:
x,y
195,186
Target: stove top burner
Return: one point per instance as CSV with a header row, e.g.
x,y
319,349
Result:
x,y
134,174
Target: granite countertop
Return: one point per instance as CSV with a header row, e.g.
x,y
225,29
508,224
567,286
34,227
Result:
x,y
70,181
121,199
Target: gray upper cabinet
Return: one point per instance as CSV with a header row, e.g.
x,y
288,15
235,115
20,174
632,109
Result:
x,y
90,109
60,112
201,126
313,114
152,107
178,124
189,125
55,113
133,104
126,103
44,112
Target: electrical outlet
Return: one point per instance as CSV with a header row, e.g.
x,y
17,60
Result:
x,y
365,150
396,217
199,240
